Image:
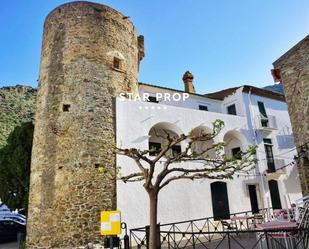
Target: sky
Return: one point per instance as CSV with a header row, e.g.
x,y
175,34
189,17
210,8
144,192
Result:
x,y
224,43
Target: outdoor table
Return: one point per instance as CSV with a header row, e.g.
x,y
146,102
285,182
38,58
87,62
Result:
x,y
276,226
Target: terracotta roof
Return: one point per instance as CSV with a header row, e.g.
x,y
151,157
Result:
x,y
226,92
175,90
223,93
247,88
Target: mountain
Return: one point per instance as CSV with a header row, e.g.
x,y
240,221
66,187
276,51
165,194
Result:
x,y
17,105
278,88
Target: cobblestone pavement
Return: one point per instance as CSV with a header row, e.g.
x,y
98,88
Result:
x,y
12,245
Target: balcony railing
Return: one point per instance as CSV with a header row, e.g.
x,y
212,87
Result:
x,y
274,166
268,123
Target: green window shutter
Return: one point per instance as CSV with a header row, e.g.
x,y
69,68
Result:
x,y
262,109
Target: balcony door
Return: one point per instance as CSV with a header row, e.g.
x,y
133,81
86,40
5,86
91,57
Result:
x,y
269,155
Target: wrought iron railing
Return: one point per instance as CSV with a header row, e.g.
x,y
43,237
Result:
x,y
250,239
209,233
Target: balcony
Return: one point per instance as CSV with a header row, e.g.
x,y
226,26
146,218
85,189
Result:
x,y
266,123
273,171
279,163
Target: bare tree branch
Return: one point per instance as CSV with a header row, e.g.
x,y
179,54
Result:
x,y
132,177
217,167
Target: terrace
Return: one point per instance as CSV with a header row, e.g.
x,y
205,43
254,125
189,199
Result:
x,y
267,229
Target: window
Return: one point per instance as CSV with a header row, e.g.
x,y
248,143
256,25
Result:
x,y
152,99
264,122
267,141
116,63
262,109
264,118
269,155
231,109
66,108
236,153
203,107
176,150
154,148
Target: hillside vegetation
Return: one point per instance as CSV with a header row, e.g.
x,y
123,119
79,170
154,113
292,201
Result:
x,y
17,106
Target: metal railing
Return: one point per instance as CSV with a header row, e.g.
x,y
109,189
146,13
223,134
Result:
x,y
266,123
209,233
250,239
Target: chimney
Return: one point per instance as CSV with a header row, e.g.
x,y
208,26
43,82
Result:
x,y
188,81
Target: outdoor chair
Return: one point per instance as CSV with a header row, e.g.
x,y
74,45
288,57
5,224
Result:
x,y
303,223
258,219
229,226
302,213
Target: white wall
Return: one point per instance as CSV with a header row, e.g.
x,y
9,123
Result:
x,y
192,102
181,200
283,144
235,98
186,200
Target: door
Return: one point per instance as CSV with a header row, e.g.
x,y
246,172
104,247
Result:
x,y
274,194
220,201
253,199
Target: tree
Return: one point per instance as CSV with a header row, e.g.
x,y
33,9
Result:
x,y
15,159
157,177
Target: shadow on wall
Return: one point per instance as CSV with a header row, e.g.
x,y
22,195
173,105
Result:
x,y
285,141
291,181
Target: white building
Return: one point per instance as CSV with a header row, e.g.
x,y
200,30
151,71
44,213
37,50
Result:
x,y
252,116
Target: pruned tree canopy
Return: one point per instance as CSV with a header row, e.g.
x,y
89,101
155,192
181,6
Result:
x,y
203,166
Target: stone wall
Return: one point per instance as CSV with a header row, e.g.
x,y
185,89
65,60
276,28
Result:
x,y
293,69
73,171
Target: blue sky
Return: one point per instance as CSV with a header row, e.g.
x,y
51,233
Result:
x,y
224,43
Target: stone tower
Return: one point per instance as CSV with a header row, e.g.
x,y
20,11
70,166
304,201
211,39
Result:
x,y
292,69
90,54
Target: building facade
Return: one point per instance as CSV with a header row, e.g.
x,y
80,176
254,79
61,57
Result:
x,y
252,116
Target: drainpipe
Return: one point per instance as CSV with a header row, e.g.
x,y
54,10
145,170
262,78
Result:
x,y
256,143
252,118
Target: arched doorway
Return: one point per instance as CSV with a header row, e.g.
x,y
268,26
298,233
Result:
x,y
274,194
158,138
203,147
220,200
235,144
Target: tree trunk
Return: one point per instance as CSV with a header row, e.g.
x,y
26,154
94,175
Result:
x,y
153,235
